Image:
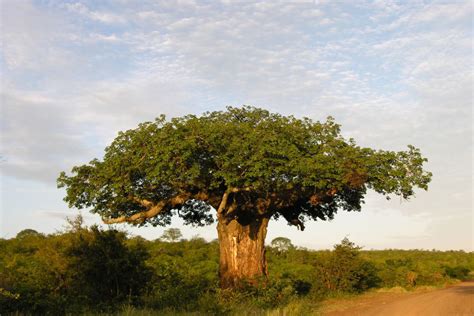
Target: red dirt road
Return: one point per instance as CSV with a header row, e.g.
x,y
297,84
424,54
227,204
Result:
x,y
455,300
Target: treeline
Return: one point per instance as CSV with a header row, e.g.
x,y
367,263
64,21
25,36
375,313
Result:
x,y
91,270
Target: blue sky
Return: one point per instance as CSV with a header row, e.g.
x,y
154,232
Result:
x,y
392,73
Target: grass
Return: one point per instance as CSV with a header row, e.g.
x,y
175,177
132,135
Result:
x,y
305,306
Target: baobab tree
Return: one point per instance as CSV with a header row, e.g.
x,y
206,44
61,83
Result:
x,y
245,164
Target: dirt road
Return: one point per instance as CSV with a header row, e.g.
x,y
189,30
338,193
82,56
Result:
x,y
455,300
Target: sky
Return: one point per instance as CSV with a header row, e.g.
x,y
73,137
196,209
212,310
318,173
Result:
x,y
392,73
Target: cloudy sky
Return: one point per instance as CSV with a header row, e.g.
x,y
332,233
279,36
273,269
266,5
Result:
x,y
392,73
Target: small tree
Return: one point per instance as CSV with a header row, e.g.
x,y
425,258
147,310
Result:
x,y
171,235
344,270
246,164
104,271
27,232
282,244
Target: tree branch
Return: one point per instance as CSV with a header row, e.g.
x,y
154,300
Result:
x,y
298,223
152,210
235,190
144,202
137,217
223,203
225,197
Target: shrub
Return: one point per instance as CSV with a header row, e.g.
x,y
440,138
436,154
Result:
x,y
343,270
458,272
105,271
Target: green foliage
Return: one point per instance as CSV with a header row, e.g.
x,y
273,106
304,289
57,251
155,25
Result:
x,y
33,271
27,232
184,274
171,235
82,268
107,271
282,244
408,268
92,270
459,272
304,169
344,270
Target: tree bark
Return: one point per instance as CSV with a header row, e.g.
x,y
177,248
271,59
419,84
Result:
x,y
242,251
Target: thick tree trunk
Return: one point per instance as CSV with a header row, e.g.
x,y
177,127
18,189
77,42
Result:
x,y
242,251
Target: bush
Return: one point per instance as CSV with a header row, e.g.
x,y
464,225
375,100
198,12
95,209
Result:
x,y
32,275
80,269
184,274
106,272
343,270
458,272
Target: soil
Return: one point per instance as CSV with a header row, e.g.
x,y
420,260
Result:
x,y
454,300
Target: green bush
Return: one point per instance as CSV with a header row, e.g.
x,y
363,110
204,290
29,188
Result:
x,y
184,274
458,272
107,272
80,269
344,270
34,271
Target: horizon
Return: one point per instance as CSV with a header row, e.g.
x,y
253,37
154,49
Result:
x,y
267,241
187,236
76,73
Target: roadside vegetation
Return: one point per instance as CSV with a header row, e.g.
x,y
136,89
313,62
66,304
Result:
x,y
88,270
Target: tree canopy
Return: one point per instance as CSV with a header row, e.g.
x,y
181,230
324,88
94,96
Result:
x,y
282,244
246,160
171,235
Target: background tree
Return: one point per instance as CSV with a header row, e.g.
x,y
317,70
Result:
x,y
247,164
27,232
282,244
171,235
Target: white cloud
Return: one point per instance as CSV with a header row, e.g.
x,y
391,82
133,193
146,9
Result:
x,y
104,38
39,136
103,17
441,13
31,38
